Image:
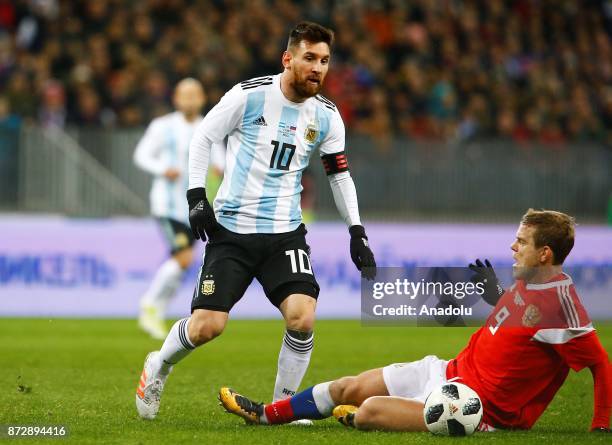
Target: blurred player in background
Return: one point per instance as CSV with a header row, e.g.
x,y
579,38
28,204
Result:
x,y
516,362
272,125
163,152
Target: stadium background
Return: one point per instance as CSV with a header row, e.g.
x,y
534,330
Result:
x,y
460,115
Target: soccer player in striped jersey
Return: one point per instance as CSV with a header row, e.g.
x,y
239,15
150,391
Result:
x,y
516,362
272,125
163,152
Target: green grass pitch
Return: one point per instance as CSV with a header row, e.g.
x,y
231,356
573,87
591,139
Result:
x,y
83,374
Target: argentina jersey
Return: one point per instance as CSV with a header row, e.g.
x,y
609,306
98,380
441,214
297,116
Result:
x,y
269,143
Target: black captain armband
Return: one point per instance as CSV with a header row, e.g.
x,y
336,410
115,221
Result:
x,y
335,163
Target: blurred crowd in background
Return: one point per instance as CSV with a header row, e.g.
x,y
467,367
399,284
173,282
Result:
x,y
523,70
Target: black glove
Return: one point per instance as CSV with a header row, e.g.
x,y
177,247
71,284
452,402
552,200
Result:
x,y
361,254
201,215
484,273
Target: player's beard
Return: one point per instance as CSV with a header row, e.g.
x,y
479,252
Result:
x,y
307,89
524,273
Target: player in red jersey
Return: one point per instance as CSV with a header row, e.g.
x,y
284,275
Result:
x,y
516,362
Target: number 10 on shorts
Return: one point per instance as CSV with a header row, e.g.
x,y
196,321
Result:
x,y
302,258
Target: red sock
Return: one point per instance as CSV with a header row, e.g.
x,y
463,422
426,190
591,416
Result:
x,y
279,412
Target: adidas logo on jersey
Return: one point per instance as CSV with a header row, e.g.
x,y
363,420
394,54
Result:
x,y
260,121
518,300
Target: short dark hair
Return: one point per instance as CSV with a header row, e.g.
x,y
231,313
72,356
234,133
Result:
x,y
552,229
311,32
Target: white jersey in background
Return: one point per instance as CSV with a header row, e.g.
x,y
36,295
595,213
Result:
x,y
165,145
269,143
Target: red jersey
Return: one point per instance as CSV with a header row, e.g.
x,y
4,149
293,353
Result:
x,y
520,358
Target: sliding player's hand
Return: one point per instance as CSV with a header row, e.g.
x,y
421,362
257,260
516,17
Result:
x,y
201,215
484,273
361,254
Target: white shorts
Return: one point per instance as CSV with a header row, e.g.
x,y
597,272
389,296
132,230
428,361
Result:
x,y
415,380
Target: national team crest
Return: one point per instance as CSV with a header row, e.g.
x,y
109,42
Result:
x,y
208,287
311,133
531,316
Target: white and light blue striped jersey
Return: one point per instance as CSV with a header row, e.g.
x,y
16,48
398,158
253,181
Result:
x,y
269,143
165,145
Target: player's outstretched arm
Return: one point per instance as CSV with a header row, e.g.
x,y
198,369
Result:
x,y
484,273
345,197
583,349
602,380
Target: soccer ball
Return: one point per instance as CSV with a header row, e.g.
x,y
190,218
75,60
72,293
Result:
x,y
453,409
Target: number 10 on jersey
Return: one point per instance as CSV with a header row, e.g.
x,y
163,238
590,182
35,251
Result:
x,y
278,160
302,259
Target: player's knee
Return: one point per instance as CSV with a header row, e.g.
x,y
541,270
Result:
x,y
368,416
204,329
300,321
205,332
345,391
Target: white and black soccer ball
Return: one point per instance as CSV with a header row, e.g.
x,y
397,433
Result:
x,y
453,409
